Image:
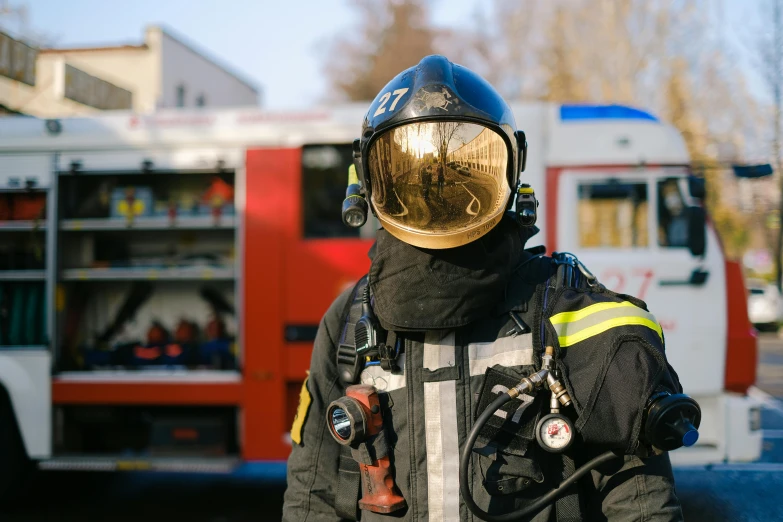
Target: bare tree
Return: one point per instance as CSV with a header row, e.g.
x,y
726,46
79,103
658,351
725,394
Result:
x,y
442,135
15,20
770,53
562,82
391,36
662,55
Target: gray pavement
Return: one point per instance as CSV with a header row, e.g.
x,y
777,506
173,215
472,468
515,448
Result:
x,y
770,370
744,492
741,493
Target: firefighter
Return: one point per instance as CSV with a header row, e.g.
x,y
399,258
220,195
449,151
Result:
x,y
461,311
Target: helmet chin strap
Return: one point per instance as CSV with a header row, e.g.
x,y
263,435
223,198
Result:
x,y
522,150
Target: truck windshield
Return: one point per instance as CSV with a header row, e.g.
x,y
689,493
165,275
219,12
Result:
x,y
613,214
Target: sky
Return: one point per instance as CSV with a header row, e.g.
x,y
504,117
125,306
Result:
x,y
277,44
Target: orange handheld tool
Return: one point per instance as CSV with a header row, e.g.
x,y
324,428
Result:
x,y
352,420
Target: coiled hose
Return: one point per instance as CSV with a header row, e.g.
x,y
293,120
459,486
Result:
x,y
464,463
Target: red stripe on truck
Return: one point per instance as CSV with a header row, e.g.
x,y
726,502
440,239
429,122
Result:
x,y
741,342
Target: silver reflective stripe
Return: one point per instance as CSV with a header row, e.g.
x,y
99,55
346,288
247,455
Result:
x,y
383,380
438,349
506,351
440,418
572,327
449,437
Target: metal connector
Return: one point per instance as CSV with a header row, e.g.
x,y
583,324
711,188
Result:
x,y
559,391
548,359
554,405
528,384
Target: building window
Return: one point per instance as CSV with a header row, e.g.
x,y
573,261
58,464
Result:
x,y
201,100
180,95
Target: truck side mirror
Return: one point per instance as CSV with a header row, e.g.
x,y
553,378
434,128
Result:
x,y
697,230
697,187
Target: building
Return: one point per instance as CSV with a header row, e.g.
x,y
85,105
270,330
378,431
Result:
x,y
163,71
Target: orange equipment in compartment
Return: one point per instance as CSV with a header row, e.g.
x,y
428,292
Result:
x,y
218,195
23,206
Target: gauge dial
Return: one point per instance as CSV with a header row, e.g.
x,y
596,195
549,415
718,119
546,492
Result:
x,y
555,433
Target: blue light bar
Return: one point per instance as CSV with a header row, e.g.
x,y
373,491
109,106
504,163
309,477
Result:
x,y
603,112
752,171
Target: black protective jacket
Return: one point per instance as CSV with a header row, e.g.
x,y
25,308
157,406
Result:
x,y
450,310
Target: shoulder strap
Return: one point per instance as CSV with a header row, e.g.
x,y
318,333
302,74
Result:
x,y
572,273
349,486
349,364
568,507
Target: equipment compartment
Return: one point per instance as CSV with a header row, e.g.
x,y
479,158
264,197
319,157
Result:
x,y
147,271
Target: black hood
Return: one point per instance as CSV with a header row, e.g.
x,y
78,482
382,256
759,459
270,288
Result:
x,y
420,289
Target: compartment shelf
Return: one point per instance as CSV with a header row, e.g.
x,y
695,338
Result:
x,y
149,274
149,223
217,465
20,226
147,375
22,275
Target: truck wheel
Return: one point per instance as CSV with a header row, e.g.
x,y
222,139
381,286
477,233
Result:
x,y
15,467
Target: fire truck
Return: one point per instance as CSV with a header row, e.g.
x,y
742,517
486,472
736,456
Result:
x,y
164,275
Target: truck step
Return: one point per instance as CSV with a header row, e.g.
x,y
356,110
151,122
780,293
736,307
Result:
x,y
221,465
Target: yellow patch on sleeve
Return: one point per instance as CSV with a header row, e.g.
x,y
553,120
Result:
x,y
301,412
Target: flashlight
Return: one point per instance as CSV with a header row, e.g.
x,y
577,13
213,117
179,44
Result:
x,y
352,420
527,205
354,204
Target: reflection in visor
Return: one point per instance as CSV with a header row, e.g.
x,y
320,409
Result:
x,y
439,177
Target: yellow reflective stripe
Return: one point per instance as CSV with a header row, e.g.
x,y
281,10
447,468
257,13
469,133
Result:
x,y
301,412
570,317
586,333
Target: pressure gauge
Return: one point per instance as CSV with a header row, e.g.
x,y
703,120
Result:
x,y
555,433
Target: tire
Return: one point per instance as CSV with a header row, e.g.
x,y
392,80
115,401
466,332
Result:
x,y
15,467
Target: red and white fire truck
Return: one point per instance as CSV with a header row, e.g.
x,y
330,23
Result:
x,y
165,275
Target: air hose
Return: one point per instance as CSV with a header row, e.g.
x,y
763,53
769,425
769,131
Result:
x,y
464,463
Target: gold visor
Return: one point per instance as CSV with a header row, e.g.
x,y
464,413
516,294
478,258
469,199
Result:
x,y
439,184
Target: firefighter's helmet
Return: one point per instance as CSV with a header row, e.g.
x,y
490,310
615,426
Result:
x,y
440,155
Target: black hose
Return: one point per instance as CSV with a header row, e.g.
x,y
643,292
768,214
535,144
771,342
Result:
x,y
464,462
